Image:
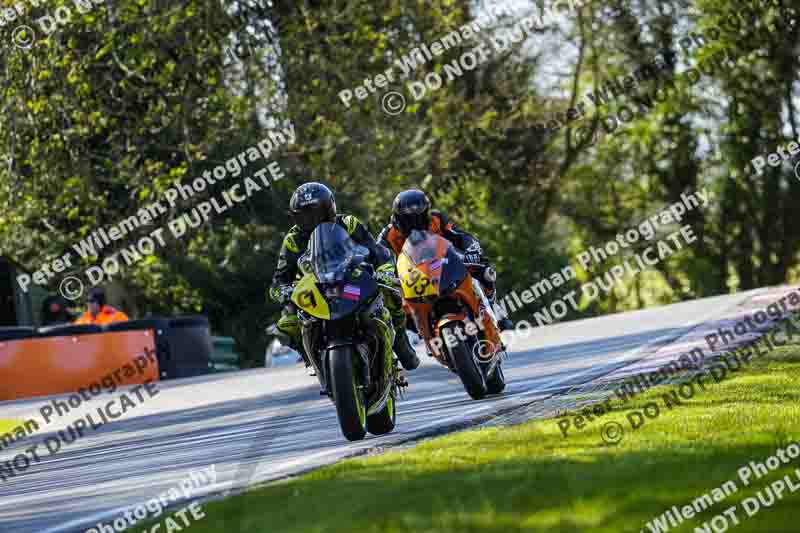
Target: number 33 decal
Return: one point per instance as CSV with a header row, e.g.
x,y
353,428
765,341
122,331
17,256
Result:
x,y
417,282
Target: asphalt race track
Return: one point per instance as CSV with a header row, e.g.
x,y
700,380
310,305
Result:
x,y
259,425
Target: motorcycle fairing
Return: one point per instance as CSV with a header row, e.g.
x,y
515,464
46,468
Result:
x,y
430,268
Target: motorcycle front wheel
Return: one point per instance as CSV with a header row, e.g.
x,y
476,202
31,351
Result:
x,y
383,421
496,383
347,395
465,364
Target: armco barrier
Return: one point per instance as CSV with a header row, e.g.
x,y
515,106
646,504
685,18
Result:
x,y
62,359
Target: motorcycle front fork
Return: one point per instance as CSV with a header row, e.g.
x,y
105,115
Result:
x,y
490,310
476,285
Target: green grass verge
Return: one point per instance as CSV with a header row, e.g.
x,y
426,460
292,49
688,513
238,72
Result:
x,y
530,478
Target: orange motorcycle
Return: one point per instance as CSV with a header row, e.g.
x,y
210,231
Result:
x,y
451,312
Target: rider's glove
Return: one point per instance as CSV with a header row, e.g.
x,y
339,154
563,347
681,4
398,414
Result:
x,y
473,258
285,294
386,276
473,253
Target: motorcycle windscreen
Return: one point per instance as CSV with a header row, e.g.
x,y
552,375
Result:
x,y
454,273
421,264
333,252
424,246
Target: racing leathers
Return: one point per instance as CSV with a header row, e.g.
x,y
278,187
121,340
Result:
x,y
466,244
287,273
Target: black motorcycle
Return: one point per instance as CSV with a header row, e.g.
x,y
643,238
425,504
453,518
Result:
x,y
347,332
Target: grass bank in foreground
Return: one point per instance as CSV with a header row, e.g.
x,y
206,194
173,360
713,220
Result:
x,y
531,478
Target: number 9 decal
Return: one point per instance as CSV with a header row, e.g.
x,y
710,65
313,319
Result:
x,y
307,299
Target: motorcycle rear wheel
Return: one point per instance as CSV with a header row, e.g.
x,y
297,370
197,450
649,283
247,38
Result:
x,y
467,368
347,396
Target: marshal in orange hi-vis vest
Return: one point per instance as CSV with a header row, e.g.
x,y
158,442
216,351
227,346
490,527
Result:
x,y
107,315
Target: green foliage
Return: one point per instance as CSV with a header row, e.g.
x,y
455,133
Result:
x,y
103,115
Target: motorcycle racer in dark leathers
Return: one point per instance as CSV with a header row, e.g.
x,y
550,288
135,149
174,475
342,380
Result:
x,y
411,210
312,204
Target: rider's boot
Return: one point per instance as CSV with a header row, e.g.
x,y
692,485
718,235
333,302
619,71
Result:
x,y
489,285
401,346
405,352
505,324
290,333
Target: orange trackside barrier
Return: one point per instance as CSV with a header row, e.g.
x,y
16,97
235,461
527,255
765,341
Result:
x,y
57,365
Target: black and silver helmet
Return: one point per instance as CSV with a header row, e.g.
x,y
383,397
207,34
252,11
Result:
x,y
311,205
